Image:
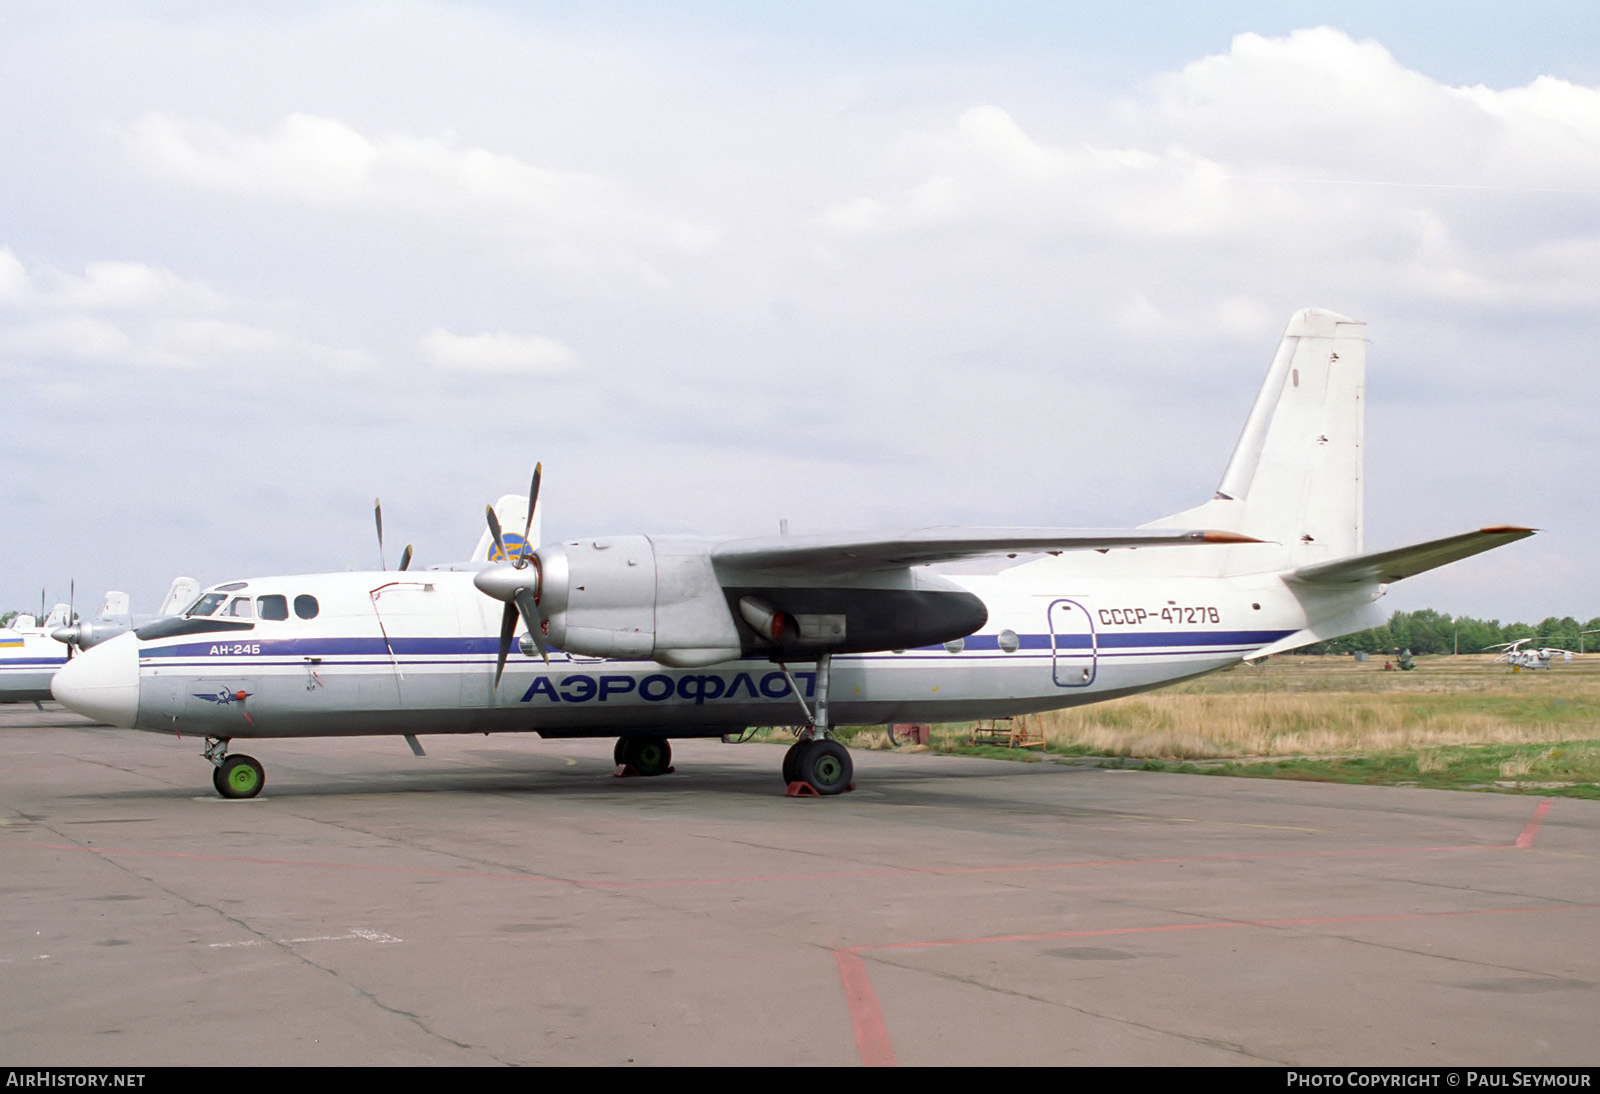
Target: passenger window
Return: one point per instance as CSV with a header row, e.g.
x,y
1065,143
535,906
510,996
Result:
x,y
273,607
305,606
240,608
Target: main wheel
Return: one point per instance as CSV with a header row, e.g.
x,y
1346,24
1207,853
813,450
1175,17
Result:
x,y
239,777
619,752
646,755
826,767
791,761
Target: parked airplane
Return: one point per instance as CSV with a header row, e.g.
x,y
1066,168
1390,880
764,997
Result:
x,y
115,617
646,638
29,657
1519,658
31,653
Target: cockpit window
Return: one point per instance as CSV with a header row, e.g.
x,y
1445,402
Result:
x,y
273,607
240,608
206,604
305,606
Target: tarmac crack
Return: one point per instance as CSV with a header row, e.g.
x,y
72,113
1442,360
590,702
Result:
x,y
283,947
973,982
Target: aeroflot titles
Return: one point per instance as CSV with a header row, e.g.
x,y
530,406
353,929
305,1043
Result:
x,y
581,688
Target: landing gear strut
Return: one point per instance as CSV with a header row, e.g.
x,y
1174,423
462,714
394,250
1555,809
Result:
x,y
816,765
643,756
234,776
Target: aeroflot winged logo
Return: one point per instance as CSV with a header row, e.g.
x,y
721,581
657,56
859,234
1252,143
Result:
x,y
224,696
514,545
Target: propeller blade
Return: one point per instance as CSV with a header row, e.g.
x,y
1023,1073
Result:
x,y
405,557
523,598
508,629
494,530
377,516
533,502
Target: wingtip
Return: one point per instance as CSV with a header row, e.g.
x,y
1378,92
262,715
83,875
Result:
x,y
1507,530
1227,537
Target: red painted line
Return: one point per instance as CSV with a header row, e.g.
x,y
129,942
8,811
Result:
x,y
1215,925
1531,829
866,1017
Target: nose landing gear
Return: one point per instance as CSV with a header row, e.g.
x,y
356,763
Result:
x,y
234,776
643,756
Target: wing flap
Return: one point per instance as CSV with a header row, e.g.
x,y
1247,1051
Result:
x,y
824,555
1384,567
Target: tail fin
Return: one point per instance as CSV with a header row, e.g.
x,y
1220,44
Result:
x,y
113,606
1295,478
512,511
179,596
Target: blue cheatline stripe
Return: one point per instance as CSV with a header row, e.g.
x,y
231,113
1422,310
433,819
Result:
x,y
242,663
1121,640
18,662
485,646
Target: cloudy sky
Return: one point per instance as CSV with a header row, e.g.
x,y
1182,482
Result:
x,y
857,265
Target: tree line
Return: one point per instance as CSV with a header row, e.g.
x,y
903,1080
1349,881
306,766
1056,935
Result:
x,y
1428,631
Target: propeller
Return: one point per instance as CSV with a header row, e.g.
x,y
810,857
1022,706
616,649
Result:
x,y
70,633
377,517
515,581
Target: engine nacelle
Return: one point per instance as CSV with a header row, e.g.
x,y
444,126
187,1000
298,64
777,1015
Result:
x,y
638,597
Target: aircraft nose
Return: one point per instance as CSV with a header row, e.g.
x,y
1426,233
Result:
x,y
102,683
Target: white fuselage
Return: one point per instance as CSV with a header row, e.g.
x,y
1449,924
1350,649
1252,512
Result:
x,y
419,657
29,658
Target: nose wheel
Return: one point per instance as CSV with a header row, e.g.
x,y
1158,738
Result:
x,y
643,756
234,776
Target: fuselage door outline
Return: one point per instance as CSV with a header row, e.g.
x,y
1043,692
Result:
x,y
1074,645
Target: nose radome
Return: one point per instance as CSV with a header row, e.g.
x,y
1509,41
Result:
x,y
102,683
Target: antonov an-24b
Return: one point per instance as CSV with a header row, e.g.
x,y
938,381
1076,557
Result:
x,y
646,638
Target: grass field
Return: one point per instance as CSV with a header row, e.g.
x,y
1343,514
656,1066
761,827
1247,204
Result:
x,y
1463,722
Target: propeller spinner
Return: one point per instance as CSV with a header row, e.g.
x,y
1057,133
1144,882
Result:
x,y
515,581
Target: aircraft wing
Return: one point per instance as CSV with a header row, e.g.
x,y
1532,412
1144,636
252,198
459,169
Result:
x,y
1384,567
825,555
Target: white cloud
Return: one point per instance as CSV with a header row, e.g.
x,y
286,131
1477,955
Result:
x,y
497,352
15,284
1311,150
203,341
129,286
156,320
321,161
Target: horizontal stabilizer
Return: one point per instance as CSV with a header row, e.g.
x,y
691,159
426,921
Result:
x,y
1384,567
824,555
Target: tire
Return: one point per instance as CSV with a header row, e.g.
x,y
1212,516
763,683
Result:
x,y
619,754
239,777
791,761
647,755
826,767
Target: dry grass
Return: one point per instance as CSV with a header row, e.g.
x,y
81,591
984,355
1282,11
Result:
x,y
1332,706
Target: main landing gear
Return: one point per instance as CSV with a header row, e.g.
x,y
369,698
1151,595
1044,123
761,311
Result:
x,y
234,776
816,765
643,756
